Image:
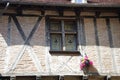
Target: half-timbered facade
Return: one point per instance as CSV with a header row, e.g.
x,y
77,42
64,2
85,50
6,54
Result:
x,y
45,39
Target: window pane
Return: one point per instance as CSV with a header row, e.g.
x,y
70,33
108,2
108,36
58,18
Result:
x,y
56,42
70,26
70,42
55,26
79,1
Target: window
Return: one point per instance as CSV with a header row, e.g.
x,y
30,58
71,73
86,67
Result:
x,y
78,1
63,35
4,78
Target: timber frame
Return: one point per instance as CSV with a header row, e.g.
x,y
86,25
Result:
x,y
97,10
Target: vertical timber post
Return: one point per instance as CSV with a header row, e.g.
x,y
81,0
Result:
x,y
38,78
12,78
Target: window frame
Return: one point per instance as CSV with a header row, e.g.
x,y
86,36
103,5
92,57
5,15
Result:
x,y
63,34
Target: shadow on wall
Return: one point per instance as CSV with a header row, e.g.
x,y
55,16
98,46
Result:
x,y
91,70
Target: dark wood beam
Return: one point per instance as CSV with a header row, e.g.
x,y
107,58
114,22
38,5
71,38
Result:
x,y
60,11
97,14
43,12
118,15
77,12
18,9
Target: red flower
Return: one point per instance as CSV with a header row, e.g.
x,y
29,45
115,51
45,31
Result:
x,y
85,62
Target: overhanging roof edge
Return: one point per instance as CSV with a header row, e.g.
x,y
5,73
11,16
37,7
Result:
x,y
65,4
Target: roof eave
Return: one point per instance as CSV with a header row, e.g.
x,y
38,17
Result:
x,y
117,5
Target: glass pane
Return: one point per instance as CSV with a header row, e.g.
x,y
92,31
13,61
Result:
x,y
56,42
55,26
70,26
79,1
70,42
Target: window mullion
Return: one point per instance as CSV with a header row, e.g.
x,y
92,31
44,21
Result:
x,y
63,35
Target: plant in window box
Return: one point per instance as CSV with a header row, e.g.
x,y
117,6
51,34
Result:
x,y
85,63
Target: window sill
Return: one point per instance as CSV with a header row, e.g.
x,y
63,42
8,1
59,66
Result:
x,y
65,53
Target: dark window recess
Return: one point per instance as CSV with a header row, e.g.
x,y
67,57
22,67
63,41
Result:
x,y
4,78
50,78
63,35
25,77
